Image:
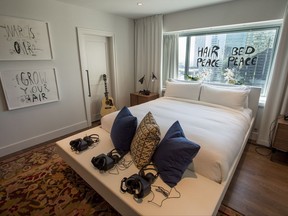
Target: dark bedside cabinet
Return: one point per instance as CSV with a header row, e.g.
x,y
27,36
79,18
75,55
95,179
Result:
x,y
281,135
136,98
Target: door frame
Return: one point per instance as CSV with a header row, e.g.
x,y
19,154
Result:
x,y
81,33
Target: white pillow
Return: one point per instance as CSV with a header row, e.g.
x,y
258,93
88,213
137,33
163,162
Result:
x,y
183,81
235,98
183,90
235,87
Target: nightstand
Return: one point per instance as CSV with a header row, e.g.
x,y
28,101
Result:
x,y
136,98
281,135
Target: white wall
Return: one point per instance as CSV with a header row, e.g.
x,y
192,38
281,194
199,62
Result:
x,y
26,127
229,13
233,12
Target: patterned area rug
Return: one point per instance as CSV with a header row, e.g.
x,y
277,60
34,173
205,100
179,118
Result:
x,y
39,182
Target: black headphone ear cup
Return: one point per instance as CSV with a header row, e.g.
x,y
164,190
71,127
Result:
x,y
132,184
138,191
102,162
99,162
81,142
77,146
150,178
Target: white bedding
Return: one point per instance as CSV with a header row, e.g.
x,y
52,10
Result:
x,y
219,130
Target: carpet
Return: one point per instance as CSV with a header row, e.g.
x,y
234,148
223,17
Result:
x,y
39,182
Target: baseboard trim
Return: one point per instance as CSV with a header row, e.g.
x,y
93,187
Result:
x,y
253,136
263,142
33,141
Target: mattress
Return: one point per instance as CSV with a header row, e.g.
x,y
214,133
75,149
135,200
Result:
x,y
219,130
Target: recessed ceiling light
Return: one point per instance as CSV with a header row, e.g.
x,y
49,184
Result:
x,y
139,3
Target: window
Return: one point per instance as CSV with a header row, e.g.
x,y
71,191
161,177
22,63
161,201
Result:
x,y
235,57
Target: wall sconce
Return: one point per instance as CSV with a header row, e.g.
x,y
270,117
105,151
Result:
x,y
146,90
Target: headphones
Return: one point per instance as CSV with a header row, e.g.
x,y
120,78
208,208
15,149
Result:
x,y
116,155
149,177
79,145
135,185
139,184
105,162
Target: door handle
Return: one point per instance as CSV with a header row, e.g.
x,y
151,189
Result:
x,y
88,80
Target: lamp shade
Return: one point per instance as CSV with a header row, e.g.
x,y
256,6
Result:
x,y
141,80
153,77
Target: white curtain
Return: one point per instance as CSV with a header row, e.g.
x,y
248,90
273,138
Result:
x,y
170,57
148,46
277,99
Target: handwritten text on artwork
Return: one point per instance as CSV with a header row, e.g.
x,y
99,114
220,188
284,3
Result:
x,y
23,88
33,86
23,39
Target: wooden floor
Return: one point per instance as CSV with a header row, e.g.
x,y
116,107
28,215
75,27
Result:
x,y
259,186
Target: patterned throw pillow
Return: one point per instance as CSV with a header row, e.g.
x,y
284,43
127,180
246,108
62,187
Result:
x,y
145,140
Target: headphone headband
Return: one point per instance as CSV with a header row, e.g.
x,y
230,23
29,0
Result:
x,y
145,168
116,155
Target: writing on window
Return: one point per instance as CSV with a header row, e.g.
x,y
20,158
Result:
x,y
238,57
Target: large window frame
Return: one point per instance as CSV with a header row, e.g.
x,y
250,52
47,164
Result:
x,y
234,29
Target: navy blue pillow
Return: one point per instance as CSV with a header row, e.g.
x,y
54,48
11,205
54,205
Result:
x,y
123,130
174,154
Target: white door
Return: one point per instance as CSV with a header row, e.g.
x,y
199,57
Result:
x,y
97,58
97,64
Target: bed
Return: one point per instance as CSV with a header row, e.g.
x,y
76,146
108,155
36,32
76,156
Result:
x,y
219,118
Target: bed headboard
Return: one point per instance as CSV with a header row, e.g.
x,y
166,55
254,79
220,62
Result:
x,y
253,99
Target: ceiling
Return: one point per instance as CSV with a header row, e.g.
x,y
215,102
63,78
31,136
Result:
x,y
130,9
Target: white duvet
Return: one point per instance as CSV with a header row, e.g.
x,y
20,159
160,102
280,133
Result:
x,y
219,130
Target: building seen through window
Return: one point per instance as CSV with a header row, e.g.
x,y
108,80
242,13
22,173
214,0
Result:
x,y
238,57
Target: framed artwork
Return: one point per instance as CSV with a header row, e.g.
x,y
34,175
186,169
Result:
x,y
24,88
24,39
